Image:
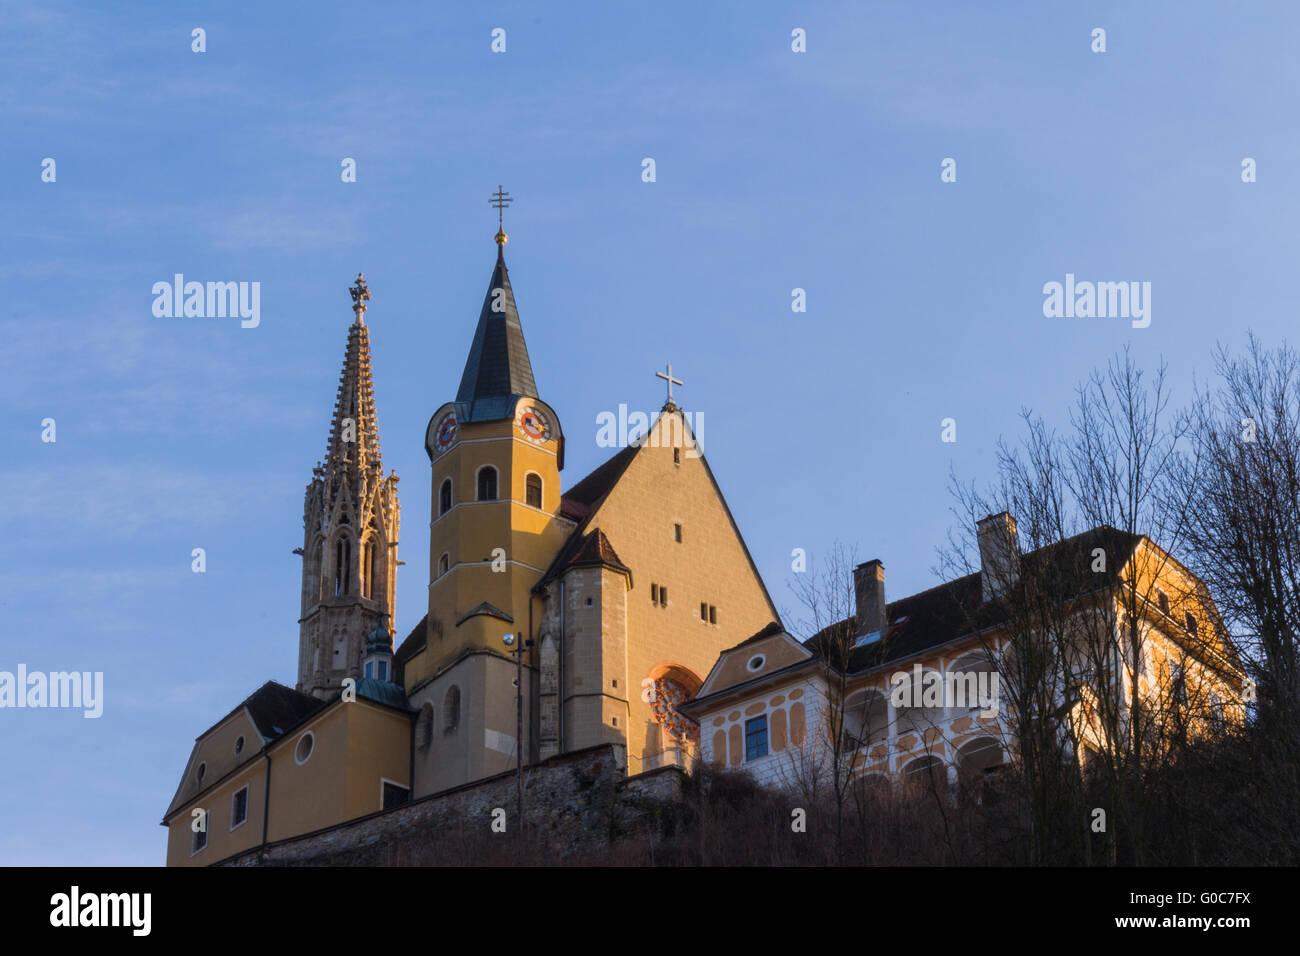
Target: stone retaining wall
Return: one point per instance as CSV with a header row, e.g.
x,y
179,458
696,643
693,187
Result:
x,y
575,804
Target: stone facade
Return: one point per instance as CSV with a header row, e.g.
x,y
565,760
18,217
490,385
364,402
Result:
x,y
350,526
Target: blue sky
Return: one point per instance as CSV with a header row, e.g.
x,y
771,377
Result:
x,y
775,170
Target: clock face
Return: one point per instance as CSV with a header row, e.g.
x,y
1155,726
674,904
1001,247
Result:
x,y
446,432
533,423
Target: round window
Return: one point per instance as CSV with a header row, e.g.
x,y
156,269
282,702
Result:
x,y
756,662
305,745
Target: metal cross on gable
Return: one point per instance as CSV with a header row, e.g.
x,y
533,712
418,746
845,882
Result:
x,y
670,380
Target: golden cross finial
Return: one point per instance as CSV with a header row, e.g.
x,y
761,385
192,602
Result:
x,y
500,199
360,296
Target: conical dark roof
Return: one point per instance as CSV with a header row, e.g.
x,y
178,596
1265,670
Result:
x,y
497,371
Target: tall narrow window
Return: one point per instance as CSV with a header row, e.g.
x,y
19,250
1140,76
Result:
x,y
451,710
1163,600
713,614
342,565
756,738
487,484
319,569
444,497
677,533
443,564
365,569
1192,628
373,573
239,807
533,490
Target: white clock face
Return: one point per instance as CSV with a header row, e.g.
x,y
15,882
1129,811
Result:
x,y
533,423
445,433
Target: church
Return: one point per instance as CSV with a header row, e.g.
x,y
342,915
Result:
x,y
558,618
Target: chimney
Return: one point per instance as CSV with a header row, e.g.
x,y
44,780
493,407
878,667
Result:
x,y
999,554
869,592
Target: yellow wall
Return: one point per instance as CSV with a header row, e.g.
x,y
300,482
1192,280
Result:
x,y
355,745
471,531
708,565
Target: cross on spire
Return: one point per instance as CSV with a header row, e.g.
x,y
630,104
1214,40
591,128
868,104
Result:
x,y
500,199
671,382
360,296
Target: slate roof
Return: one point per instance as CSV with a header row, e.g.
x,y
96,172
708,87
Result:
x,y
956,608
584,551
274,708
383,692
591,490
497,370
770,630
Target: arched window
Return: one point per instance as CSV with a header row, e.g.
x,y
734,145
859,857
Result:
x,y
533,490
443,564
866,720
451,710
444,497
924,775
424,727
342,565
487,484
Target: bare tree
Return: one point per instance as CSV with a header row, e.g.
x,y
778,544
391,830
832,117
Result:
x,y
1244,539
827,595
1078,603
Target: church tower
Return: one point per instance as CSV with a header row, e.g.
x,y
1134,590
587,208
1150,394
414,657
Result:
x,y
496,452
350,521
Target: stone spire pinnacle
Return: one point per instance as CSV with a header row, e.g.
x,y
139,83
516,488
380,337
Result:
x,y
354,433
360,296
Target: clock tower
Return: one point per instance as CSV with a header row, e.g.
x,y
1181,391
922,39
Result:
x,y
496,452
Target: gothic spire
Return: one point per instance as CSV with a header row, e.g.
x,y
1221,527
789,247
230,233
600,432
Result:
x,y
354,434
497,371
